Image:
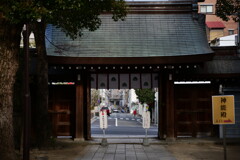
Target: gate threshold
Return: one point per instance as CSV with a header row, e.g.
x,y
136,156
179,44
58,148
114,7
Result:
x,y
126,140
123,136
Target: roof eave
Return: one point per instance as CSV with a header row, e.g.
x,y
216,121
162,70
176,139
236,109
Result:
x,y
131,60
161,6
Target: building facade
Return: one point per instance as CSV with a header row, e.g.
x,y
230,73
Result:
x,y
215,26
159,45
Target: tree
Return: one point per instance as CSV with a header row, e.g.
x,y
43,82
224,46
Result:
x,y
9,50
94,98
145,95
10,36
227,9
72,16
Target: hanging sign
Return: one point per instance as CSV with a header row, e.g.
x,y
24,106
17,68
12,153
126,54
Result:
x,y
146,119
223,109
103,119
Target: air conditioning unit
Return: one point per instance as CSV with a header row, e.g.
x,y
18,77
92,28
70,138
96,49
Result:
x,y
236,40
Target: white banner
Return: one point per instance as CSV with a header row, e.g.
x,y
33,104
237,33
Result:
x,y
124,81
103,119
146,80
113,81
93,80
146,119
102,81
135,80
155,80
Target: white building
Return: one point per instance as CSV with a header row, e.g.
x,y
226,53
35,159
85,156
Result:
x,y
226,41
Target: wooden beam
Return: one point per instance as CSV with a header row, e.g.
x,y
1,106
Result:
x,y
130,60
79,111
170,107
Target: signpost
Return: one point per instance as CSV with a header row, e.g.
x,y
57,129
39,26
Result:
x,y
103,125
223,109
146,126
27,107
223,113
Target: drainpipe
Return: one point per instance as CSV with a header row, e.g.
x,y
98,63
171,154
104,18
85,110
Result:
x,y
238,40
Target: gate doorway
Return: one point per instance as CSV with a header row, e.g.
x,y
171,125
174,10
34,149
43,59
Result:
x,y
122,121
71,110
116,92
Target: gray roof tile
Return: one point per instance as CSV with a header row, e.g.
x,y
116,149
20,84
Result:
x,y
140,35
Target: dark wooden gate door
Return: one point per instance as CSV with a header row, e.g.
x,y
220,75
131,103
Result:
x,y
193,110
61,109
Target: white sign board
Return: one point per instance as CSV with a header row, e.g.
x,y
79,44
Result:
x,y
146,119
103,119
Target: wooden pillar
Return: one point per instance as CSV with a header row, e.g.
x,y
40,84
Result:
x,y
161,106
87,106
83,110
79,131
170,107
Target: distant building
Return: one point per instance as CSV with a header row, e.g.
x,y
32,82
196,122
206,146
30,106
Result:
x,y
215,26
225,41
115,97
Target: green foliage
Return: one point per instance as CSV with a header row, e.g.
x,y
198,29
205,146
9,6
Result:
x,y
73,20
94,98
52,142
226,9
72,16
145,95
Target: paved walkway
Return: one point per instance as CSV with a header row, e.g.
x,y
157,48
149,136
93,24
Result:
x,y
133,149
125,152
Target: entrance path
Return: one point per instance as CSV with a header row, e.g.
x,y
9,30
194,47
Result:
x,y
125,152
132,149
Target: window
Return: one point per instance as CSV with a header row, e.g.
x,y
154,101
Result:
x,y
230,32
206,8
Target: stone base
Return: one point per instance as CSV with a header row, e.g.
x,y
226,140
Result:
x,y
104,142
79,140
41,158
172,139
146,142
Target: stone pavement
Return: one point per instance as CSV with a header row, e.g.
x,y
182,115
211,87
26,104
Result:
x,y
125,152
133,149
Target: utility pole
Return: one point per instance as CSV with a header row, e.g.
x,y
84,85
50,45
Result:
x,y
26,131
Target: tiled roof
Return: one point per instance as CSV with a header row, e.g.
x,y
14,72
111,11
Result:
x,y
140,35
215,24
224,65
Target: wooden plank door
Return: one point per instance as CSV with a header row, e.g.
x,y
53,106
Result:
x,y
193,110
61,109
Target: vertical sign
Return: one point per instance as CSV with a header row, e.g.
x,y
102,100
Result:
x,y
146,119
103,119
223,109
